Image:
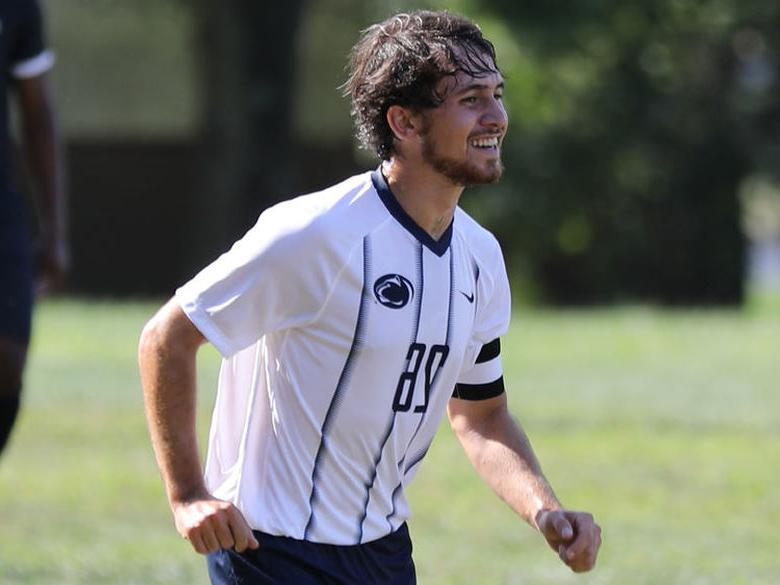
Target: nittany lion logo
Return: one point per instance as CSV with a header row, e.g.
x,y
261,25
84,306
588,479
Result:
x,y
393,290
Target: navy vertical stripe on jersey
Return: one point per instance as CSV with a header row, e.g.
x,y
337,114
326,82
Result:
x,y
420,454
416,458
395,493
418,308
373,476
475,268
420,287
435,377
357,342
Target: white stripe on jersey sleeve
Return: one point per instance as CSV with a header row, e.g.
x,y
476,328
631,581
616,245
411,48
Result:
x,y
34,66
483,373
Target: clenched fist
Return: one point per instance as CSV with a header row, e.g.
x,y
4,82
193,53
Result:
x,y
211,524
573,535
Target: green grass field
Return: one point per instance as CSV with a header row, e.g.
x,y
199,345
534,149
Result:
x,y
665,424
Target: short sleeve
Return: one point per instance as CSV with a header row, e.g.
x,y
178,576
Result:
x,y
481,376
273,278
28,54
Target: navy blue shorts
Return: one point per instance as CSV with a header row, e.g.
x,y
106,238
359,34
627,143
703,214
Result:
x,y
16,277
287,561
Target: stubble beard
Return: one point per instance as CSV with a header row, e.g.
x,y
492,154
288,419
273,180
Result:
x,y
460,172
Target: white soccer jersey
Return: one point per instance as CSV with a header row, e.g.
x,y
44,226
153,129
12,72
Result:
x,y
345,329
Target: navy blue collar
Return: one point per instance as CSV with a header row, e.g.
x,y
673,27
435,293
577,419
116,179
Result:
x,y
438,247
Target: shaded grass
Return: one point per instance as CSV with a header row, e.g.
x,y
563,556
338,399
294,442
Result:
x,y
665,424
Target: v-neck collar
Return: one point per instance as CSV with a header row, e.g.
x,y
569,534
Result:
x,y
438,247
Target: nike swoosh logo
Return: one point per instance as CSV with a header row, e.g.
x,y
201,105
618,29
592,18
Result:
x,y
469,298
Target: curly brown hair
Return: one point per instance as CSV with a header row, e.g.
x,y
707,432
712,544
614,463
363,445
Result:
x,y
401,60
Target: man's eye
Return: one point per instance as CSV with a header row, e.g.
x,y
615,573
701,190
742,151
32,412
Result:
x,y
470,100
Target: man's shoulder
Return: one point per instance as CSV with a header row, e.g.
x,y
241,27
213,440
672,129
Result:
x,y
330,195
322,201
476,235
332,213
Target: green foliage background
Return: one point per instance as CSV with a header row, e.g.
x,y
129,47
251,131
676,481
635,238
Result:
x,y
636,128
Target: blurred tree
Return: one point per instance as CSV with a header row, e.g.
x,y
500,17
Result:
x,y
634,126
247,57
633,130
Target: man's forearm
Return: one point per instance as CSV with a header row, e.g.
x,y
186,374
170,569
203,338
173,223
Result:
x,y
501,453
168,375
166,355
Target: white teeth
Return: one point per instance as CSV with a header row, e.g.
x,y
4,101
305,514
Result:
x,y
485,142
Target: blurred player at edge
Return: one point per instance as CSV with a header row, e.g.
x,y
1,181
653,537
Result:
x,y
26,269
349,321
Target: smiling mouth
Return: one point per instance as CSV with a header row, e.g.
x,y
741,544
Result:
x,y
485,143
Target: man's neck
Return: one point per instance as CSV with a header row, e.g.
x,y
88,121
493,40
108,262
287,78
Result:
x,y
428,197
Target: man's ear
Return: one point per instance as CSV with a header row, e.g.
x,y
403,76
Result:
x,y
404,123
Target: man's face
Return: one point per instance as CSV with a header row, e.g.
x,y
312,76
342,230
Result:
x,y
461,138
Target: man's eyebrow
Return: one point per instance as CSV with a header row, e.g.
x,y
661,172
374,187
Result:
x,y
480,86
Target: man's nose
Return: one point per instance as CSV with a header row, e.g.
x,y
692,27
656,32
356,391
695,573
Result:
x,y
496,115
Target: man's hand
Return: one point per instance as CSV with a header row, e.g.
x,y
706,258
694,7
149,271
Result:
x,y
573,535
211,524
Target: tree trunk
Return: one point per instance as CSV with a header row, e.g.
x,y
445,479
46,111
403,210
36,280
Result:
x,y
247,56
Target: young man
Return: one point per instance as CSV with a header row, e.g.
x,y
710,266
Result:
x,y
350,320
24,61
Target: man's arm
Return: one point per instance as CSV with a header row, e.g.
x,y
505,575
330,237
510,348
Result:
x,y
44,158
501,453
166,356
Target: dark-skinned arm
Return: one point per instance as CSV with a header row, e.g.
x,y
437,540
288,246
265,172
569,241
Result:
x,y
44,159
